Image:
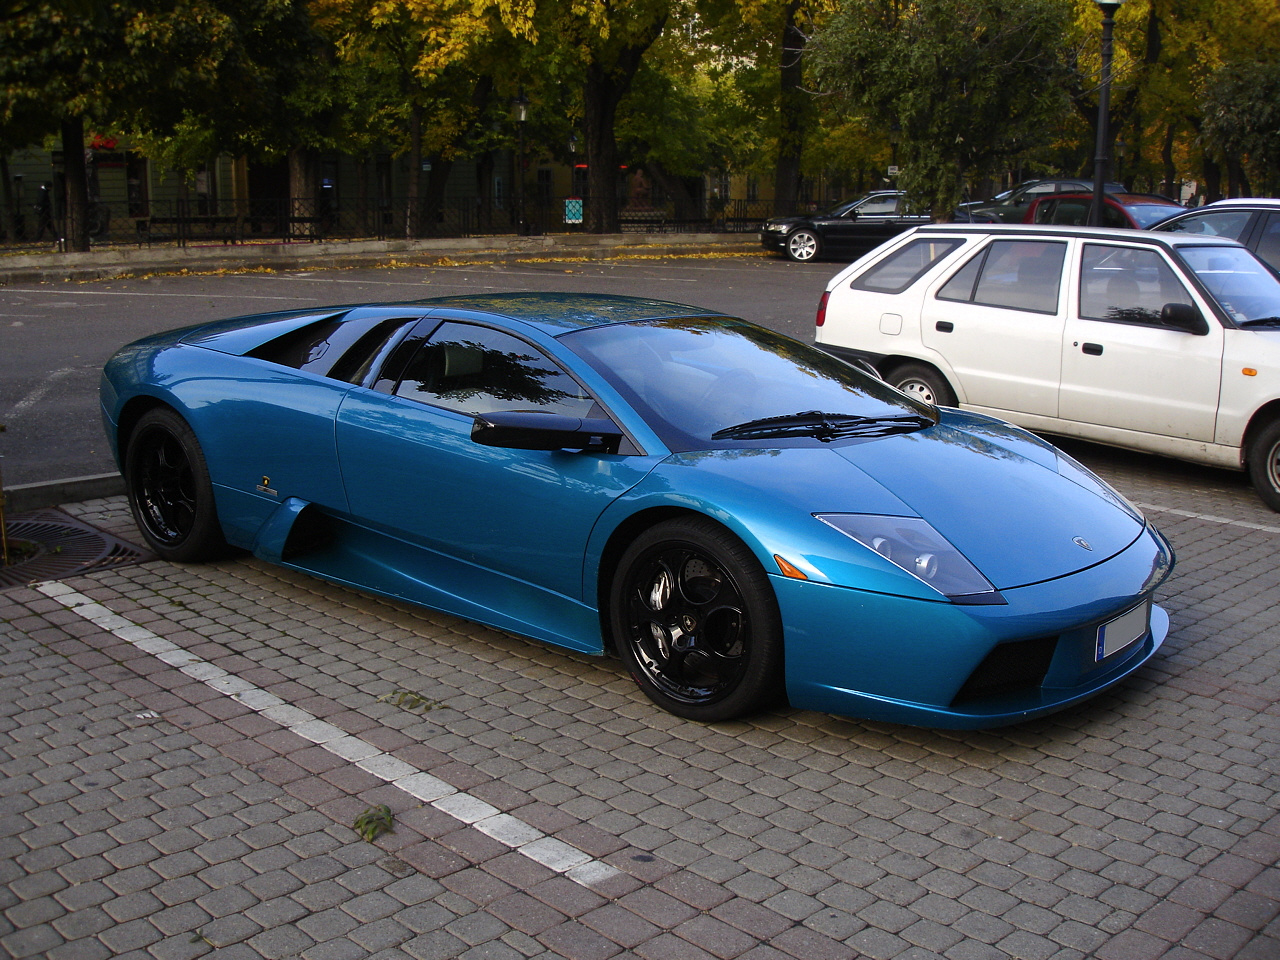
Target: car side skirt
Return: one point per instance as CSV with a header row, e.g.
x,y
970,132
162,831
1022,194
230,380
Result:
x,y
301,536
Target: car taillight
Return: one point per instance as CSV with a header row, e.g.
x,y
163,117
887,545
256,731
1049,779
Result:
x,y
822,308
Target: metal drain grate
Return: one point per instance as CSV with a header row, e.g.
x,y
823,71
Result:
x,y
62,547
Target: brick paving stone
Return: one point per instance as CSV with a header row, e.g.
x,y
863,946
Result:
x,y
1140,825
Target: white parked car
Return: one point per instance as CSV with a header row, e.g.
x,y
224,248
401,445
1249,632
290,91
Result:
x,y
1161,342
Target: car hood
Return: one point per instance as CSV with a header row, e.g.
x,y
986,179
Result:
x,y
1002,498
999,495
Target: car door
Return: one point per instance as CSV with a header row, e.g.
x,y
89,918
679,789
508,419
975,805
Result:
x,y
1121,368
865,225
511,524
997,321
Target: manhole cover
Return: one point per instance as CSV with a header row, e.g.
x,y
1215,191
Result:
x,y
51,545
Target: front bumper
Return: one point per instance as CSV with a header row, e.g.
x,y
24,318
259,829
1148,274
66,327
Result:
x,y
904,660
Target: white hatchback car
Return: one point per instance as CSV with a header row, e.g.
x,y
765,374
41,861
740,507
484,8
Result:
x,y
1162,342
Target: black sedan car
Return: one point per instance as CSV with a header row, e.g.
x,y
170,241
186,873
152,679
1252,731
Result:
x,y
847,230
1254,221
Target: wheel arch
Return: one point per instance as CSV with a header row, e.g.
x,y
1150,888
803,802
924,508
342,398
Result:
x,y
1262,418
889,364
133,411
625,534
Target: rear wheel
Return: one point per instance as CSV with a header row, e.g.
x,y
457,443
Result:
x,y
1264,465
923,383
169,489
803,245
696,621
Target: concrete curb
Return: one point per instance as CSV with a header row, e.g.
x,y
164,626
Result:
x,y
26,497
123,262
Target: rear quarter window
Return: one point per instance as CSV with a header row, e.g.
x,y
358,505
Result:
x,y
905,265
333,347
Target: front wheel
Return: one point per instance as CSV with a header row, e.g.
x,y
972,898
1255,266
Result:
x,y
803,246
696,622
170,492
923,383
1264,465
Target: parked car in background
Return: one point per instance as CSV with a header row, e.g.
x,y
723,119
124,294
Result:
x,y
1011,206
1162,342
1254,221
1133,211
847,230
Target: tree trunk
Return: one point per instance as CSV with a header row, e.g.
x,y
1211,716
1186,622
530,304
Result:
x,y
77,181
412,215
791,105
606,85
303,192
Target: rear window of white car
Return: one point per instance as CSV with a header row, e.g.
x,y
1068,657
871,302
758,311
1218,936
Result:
x,y
1018,274
905,265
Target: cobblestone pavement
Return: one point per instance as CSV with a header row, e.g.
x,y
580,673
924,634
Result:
x,y
185,751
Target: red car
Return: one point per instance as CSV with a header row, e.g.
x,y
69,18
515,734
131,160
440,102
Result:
x,y
1137,211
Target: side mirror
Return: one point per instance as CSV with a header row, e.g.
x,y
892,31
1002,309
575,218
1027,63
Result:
x,y
538,430
1186,317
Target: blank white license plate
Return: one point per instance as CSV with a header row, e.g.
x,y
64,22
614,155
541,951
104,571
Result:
x,y
1125,629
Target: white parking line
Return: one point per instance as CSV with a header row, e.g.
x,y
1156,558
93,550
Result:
x,y
510,831
1209,518
34,397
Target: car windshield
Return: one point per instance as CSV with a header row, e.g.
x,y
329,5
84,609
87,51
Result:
x,y
1146,214
718,383
1239,281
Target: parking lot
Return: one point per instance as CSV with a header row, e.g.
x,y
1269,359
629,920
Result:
x,y
186,751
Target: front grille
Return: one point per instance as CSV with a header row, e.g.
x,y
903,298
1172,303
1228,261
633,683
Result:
x,y
1009,668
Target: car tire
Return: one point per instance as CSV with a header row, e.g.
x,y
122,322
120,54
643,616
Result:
x,y
1264,465
924,383
169,489
696,622
803,246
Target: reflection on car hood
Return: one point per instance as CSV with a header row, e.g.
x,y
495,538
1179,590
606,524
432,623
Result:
x,y
999,499
992,490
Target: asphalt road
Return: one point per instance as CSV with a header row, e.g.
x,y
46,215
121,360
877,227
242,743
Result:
x,y
54,337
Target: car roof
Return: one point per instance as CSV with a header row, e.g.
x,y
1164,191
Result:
x,y
559,312
1050,231
1267,202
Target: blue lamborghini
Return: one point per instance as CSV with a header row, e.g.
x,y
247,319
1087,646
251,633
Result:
x,y
738,516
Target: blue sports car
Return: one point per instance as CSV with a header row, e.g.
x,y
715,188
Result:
x,y
739,516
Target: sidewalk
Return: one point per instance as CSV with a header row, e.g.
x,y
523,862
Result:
x,y
185,751
128,261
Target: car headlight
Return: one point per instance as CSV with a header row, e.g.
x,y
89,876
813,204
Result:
x,y
913,545
775,227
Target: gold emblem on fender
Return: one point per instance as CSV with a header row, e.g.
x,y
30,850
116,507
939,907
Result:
x,y
265,487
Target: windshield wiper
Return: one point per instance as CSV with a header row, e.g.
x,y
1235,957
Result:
x,y
823,426
1261,322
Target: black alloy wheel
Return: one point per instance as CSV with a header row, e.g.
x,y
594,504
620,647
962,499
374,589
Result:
x,y
170,492
696,621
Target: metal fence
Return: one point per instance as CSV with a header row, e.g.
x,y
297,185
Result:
x,y
205,221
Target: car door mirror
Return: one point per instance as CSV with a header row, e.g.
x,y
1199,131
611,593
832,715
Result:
x,y
1184,316
539,430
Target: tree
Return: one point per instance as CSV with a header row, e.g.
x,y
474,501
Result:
x,y
968,82
1241,105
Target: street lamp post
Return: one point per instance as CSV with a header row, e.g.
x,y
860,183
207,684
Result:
x,y
1100,158
521,104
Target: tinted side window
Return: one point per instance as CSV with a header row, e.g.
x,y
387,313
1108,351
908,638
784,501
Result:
x,y
1215,223
1127,285
1020,274
879,207
475,369
1269,240
905,265
333,347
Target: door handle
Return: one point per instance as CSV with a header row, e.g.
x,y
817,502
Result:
x,y
944,326
1092,349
